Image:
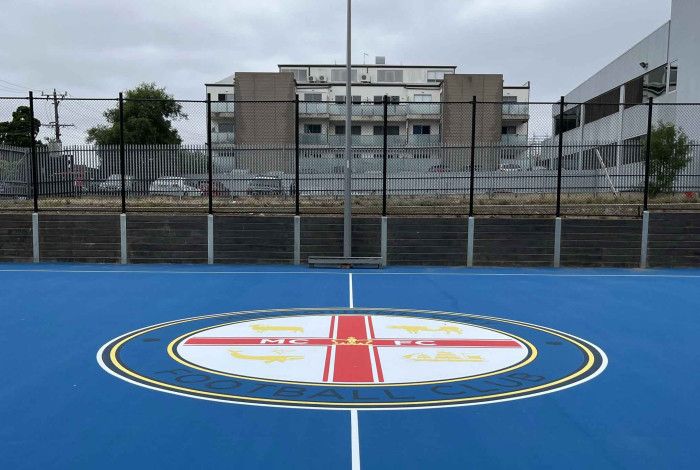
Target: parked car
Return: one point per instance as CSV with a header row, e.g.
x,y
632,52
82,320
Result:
x,y
113,183
217,189
265,185
510,167
175,186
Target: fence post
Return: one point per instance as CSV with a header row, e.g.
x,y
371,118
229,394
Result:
x,y
472,159
472,181
385,153
122,156
647,156
210,171
296,156
35,163
560,152
210,186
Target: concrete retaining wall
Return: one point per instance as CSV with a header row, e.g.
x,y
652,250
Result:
x,y
673,239
601,242
15,237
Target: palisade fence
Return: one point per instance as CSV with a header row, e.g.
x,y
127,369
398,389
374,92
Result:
x,y
287,157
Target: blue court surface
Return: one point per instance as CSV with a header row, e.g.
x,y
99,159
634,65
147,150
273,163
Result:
x,y
293,368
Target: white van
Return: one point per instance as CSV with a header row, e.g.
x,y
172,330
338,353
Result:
x,y
175,186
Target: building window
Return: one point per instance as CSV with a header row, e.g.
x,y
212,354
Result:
x,y
312,128
225,97
390,130
225,127
673,77
572,119
437,75
355,130
654,84
340,75
378,99
510,99
312,96
421,129
508,130
340,99
356,99
650,85
300,75
601,106
422,98
390,76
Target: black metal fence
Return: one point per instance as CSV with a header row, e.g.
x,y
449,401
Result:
x,y
425,158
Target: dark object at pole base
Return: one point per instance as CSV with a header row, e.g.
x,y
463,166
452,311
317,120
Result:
x,y
343,262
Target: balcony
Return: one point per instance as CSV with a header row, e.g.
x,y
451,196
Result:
x,y
365,109
372,110
313,139
371,141
513,140
357,140
423,140
222,137
313,107
222,107
516,110
423,109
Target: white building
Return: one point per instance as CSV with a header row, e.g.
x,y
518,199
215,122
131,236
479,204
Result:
x,y
605,115
418,121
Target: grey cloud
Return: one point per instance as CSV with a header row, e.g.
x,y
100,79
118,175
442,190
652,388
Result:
x,y
98,47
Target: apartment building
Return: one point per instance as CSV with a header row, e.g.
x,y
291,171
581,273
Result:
x,y
428,106
605,116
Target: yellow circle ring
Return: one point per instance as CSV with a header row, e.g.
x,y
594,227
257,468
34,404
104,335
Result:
x,y
590,360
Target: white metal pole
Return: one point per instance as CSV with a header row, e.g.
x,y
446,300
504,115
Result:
x,y
347,222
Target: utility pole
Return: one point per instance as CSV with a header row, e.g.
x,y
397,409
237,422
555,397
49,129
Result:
x,y
57,98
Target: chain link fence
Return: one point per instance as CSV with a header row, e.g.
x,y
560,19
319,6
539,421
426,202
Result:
x,y
285,157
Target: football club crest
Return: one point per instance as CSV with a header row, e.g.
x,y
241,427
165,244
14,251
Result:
x,y
352,358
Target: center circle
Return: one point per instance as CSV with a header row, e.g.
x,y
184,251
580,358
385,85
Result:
x,y
362,349
351,358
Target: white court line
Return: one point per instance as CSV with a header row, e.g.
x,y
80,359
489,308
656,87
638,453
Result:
x,y
330,273
354,426
350,290
373,363
355,440
331,369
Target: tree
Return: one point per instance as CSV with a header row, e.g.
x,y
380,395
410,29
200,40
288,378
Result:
x,y
669,156
16,132
148,115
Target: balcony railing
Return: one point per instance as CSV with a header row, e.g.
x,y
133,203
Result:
x,y
313,139
377,141
420,109
370,109
513,139
222,106
423,140
222,137
516,109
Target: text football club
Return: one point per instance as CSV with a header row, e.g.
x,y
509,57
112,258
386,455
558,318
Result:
x,y
352,358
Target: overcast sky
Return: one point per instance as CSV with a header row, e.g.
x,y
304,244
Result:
x,y
99,47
